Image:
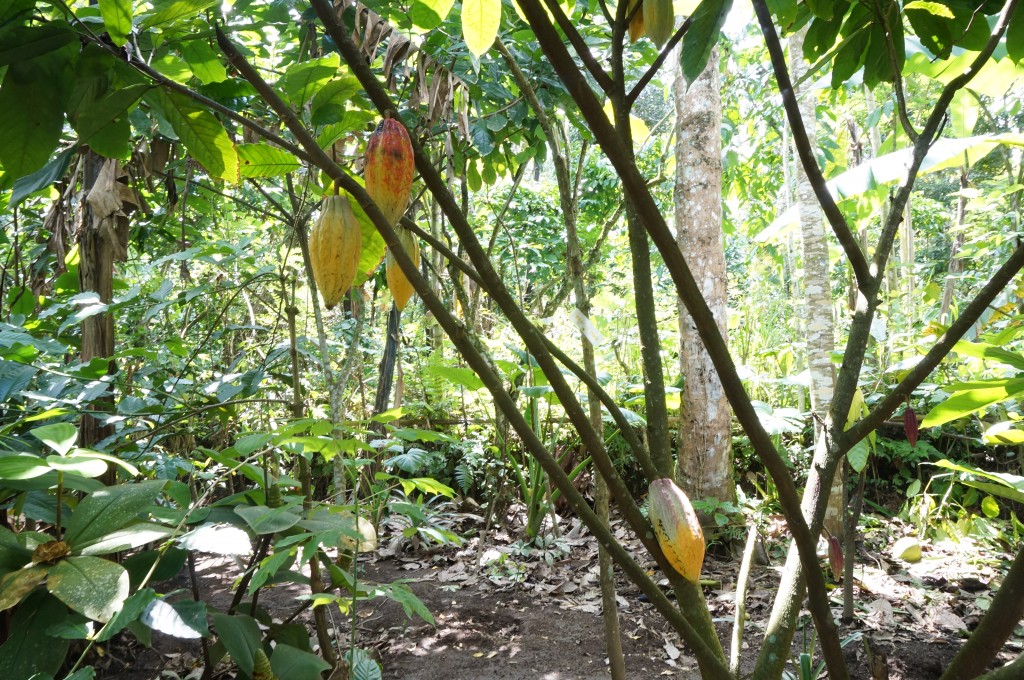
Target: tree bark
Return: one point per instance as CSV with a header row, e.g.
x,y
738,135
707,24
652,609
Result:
x,y
102,241
705,467
817,286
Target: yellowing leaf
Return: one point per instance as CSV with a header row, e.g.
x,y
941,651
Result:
x,y
480,21
637,126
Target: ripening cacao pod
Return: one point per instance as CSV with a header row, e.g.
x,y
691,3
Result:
x,y
636,24
389,170
261,667
398,284
910,425
676,527
335,245
659,20
835,557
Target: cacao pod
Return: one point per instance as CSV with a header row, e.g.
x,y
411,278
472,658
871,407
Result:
x,y
910,425
398,284
636,24
835,557
261,667
659,20
335,245
676,527
389,170
275,499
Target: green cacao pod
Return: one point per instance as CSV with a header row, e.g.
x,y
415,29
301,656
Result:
x,y
400,287
676,527
389,169
659,20
335,245
261,667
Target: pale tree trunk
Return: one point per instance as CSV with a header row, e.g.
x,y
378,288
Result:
x,y
705,443
102,241
817,287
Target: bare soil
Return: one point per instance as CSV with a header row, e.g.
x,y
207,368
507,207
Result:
x,y
520,615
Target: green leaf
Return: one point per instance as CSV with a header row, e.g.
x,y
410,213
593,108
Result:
x,y
463,377
701,37
264,520
426,485
41,179
981,350
990,507
480,22
858,455
91,586
429,14
117,17
113,106
184,619
362,666
823,9
133,608
301,81
27,42
86,467
169,11
60,436
217,539
29,650
21,466
1006,486
28,132
264,160
412,434
241,637
1015,34
203,135
16,585
204,61
969,401
289,662
110,509
130,537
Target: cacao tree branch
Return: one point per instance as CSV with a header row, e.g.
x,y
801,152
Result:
x,y
967,318
847,239
462,337
636,189
656,65
603,80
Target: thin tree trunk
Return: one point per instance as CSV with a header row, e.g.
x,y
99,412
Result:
x,y
102,240
817,288
705,467
956,265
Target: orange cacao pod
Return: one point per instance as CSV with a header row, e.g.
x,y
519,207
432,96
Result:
x,y
676,527
637,29
389,170
659,20
335,245
398,284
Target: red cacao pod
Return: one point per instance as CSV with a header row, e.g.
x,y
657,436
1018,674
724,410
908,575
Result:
x,y
389,170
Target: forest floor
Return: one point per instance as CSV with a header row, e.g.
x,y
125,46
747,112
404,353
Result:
x,y
519,615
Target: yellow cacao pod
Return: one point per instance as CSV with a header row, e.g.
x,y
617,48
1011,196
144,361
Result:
x,y
676,527
389,169
261,667
335,245
659,20
398,284
367,535
637,29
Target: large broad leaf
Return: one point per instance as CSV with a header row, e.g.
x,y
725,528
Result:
x,y
15,466
91,586
974,399
429,14
38,180
130,537
133,608
169,11
241,637
202,134
702,35
480,22
29,650
219,539
301,81
265,520
892,167
981,350
1006,485
60,436
185,619
263,160
17,584
117,17
109,510
31,120
27,42
295,664
462,377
